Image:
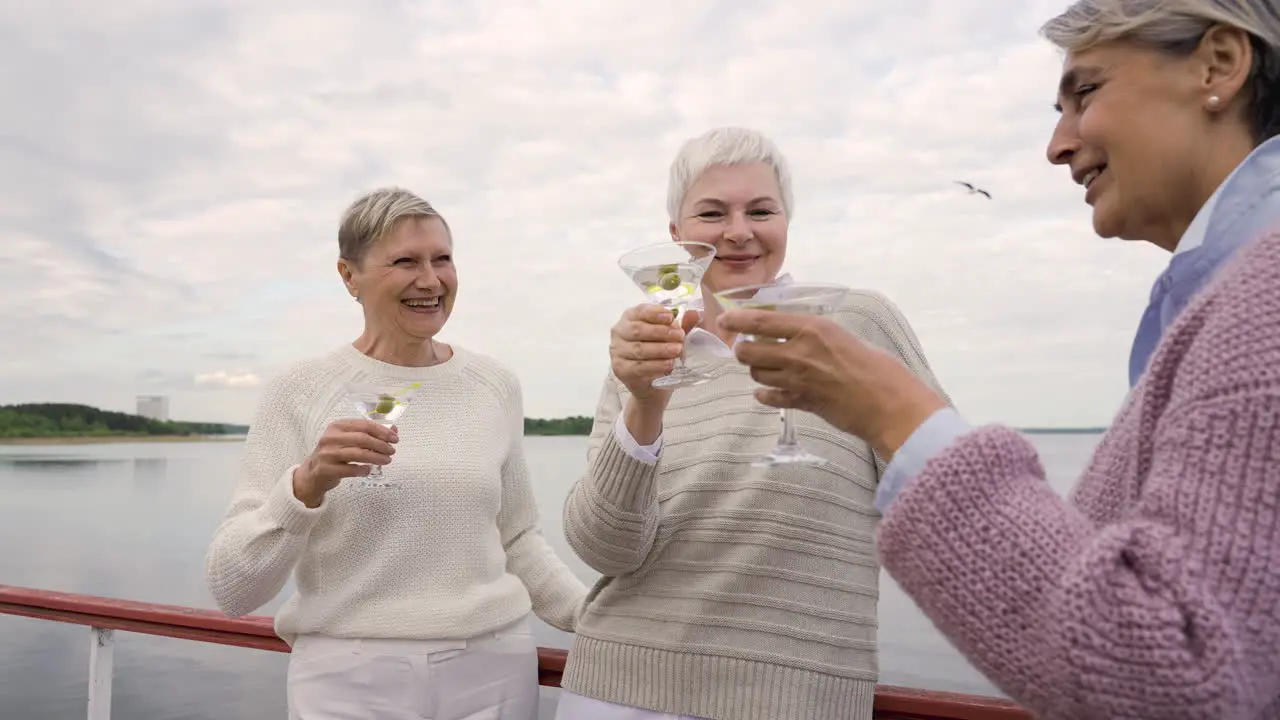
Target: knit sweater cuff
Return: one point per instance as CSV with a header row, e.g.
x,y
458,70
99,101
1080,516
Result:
x,y
622,480
287,511
560,606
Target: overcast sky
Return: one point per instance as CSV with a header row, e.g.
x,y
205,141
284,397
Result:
x,y
172,174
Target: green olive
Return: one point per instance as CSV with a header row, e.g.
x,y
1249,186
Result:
x,y
669,281
664,269
386,404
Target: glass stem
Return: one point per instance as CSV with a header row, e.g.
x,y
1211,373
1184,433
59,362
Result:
x,y
788,436
676,319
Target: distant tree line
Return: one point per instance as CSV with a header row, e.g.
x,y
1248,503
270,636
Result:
x,y
46,420
53,420
573,425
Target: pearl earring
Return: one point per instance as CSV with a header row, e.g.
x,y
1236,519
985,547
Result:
x,y
1214,101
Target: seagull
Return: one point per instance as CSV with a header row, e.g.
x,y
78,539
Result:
x,y
974,190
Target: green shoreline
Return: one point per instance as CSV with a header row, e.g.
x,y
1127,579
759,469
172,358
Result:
x,y
50,423
108,439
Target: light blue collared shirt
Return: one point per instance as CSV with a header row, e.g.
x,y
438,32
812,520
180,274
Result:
x,y
1246,205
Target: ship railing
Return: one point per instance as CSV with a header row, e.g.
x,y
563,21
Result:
x,y
105,616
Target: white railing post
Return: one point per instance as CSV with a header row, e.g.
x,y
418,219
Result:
x,y
101,649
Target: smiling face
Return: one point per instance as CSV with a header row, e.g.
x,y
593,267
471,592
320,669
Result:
x,y
738,209
1132,133
406,281
1141,133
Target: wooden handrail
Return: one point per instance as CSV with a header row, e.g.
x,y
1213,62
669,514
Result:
x,y
257,632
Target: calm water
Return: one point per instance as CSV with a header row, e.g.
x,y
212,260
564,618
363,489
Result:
x,y
133,521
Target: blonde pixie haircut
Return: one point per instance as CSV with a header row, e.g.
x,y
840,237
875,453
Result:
x,y
724,146
374,215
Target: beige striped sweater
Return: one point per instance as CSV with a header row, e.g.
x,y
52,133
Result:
x,y
732,593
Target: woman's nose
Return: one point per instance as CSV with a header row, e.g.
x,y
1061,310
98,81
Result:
x,y
739,230
1063,144
428,279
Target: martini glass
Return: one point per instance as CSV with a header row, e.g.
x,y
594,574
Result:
x,y
669,274
383,405
795,298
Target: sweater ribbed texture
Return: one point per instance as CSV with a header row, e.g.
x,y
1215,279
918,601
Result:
x,y
452,553
730,592
1154,591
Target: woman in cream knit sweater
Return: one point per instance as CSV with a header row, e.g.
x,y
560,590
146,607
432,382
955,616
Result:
x,y
728,594
412,600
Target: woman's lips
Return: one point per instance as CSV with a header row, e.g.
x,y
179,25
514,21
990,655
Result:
x,y
737,261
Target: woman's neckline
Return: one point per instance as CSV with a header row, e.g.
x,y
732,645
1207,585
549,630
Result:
x,y
373,366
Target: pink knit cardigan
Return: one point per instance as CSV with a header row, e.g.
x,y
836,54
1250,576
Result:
x,y
1154,591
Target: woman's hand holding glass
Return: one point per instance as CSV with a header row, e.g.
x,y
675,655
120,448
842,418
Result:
x,y
643,346
348,448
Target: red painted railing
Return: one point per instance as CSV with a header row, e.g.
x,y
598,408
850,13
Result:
x,y
175,621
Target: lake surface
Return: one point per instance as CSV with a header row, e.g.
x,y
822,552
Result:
x,y
133,521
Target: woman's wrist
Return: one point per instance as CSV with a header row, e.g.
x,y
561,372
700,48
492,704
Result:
x,y
903,420
304,490
643,419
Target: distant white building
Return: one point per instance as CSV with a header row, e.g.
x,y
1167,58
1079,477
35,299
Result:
x,y
155,407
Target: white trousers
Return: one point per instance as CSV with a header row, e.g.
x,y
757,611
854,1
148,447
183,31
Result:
x,y
578,707
489,677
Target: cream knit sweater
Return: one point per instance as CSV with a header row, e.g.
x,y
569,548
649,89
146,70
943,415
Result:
x,y
732,593
454,552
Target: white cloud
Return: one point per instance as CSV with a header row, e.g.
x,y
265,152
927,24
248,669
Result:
x,y
224,379
174,174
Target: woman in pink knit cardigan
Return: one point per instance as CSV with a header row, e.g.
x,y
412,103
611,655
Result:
x,y
1154,590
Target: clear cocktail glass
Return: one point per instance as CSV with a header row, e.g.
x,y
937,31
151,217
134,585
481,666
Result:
x,y
798,298
669,274
383,405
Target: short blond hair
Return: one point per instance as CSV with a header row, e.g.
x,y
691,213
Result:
x,y
1176,27
724,146
375,215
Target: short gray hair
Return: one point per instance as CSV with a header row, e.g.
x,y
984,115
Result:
x,y
1176,27
724,146
375,215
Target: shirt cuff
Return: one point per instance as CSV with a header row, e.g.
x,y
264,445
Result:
x,y
932,437
643,453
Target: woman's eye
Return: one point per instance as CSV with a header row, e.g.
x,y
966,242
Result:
x,y
1084,90
444,259
710,215
762,213
403,261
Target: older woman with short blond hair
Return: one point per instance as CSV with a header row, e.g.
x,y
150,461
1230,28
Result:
x,y
729,593
413,593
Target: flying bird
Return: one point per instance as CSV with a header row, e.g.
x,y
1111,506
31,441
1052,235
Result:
x,y
974,190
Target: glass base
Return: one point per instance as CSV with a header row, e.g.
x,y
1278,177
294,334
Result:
x,y
681,377
789,455
375,480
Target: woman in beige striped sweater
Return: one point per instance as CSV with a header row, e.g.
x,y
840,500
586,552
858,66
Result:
x,y
728,593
